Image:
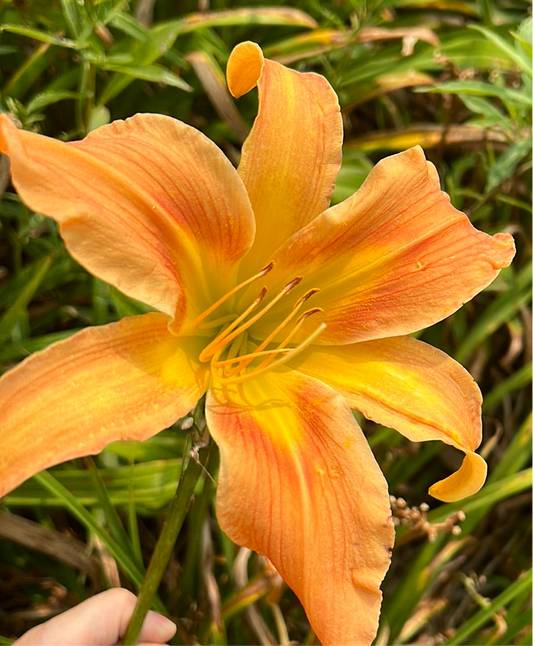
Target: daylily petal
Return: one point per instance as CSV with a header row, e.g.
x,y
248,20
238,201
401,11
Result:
x,y
299,483
467,480
394,258
122,381
408,385
148,204
291,158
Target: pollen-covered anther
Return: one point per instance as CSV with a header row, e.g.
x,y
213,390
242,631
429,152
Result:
x,y
306,296
234,334
291,285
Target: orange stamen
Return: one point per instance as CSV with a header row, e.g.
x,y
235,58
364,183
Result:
x,y
247,359
291,335
233,291
251,356
232,331
257,372
220,341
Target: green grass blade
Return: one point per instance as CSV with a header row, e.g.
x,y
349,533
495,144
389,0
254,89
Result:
x,y
22,80
41,36
282,16
111,515
132,569
152,73
154,485
499,311
10,318
517,454
519,59
72,16
519,379
484,615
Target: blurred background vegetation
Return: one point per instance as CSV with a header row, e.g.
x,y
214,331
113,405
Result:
x,y
451,75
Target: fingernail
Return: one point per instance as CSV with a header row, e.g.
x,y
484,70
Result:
x,y
165,627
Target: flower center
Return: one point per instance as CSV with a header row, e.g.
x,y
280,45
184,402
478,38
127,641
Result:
x,y
232,337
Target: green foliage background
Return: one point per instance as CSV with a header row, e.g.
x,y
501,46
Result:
x,y
453,76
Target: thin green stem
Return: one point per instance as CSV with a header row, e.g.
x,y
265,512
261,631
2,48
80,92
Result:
x,y
133,570
163,550
470,626
85,101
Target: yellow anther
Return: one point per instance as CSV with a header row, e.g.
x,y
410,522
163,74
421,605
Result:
x,y
291,285
232,339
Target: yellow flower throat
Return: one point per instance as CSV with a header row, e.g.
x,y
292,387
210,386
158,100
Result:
x,y
232,337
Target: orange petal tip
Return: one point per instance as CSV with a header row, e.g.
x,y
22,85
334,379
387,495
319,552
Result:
x,y
465,482
245,66
505,244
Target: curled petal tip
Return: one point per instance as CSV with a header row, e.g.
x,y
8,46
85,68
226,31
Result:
x,y
465,482
505,244
245,66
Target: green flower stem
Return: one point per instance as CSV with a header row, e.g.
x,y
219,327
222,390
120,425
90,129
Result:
x,y
176,515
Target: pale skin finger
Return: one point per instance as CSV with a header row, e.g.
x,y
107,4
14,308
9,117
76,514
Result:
x,y
100,621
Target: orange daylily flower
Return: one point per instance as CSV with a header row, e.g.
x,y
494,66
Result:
x,y
286,312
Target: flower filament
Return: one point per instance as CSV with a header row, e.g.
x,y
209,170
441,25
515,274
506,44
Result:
x,y
233,338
